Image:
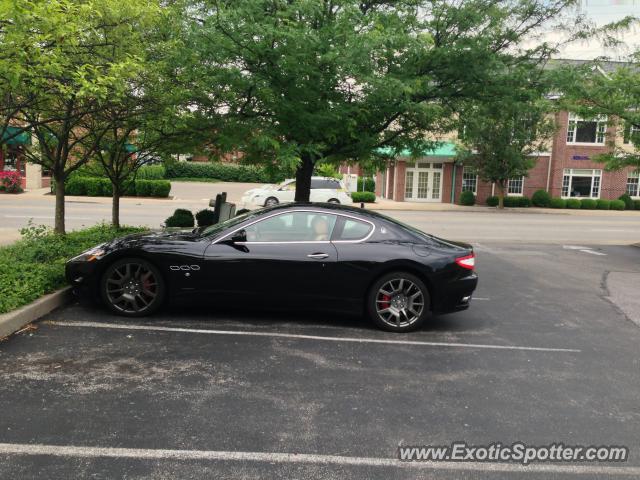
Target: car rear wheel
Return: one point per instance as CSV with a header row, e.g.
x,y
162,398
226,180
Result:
x,y
398,302
271,202
334,200
132,287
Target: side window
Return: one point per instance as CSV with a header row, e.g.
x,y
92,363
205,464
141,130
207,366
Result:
x,y
354,230
315,184
292,227
288,186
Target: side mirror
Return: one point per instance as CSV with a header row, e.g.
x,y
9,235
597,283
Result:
x,y
239,236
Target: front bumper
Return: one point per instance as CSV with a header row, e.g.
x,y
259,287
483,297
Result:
x,y
82,278
458,294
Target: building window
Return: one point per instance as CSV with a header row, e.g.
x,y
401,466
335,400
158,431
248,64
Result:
x,y
581,183
582,130
631,133
515,186
408,184
469,181
633,184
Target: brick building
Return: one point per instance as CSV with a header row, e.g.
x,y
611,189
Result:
x,y
567,170
12,145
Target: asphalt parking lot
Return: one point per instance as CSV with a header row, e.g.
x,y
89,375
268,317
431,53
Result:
x,y
544,355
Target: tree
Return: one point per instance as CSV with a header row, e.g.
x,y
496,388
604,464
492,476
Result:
x,y
56,67
500,137
302,82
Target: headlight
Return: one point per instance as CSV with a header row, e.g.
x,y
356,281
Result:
x,y
95,253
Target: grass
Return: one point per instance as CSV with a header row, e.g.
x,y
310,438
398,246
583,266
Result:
x,y
34,266
195,179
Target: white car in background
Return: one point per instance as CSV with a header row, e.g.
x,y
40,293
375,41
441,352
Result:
x,y
323,189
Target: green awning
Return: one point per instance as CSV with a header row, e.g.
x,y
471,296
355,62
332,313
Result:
x,y
16,136
442,149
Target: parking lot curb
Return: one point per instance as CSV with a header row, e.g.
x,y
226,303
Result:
x,y
13,321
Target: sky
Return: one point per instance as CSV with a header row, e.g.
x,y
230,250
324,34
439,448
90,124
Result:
x,y
602,12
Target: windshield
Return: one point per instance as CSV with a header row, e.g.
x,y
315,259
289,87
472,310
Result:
x,y
214,230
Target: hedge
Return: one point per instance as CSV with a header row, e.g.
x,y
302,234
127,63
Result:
x,y
366,197
151,172
617,205
558,203
34,266
205,217
181,218
603,204
636,204
588,204
574,203
224,171
541,198
519,201
467,198
102,187
493,201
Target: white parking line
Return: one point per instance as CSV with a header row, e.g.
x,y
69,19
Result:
x,y
303,458
593,252
152,328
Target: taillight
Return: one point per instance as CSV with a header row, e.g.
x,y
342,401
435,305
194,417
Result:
x,y
468,261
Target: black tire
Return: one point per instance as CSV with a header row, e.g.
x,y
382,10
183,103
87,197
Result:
x,y
132,287
406,291
271,202
333,200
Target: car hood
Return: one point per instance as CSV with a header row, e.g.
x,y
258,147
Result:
x,y
260,189
154,238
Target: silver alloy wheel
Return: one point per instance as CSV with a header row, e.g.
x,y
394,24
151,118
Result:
x,y
131,288
270,202
399,302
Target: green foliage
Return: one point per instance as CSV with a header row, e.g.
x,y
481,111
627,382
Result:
x,y
34,266
558,203
152,188
574,203
603,204
98,187
541,198
151,172
588,204
205,217
617,205
366,197
493,201
517,201
369,184
467,198
636,204
181,218
222,171
628,201
327,170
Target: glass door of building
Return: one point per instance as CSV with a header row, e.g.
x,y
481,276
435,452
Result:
x,y
423,182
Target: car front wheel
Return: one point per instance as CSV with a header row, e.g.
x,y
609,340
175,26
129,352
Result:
x,y
271,202
398,302
132,287
334,200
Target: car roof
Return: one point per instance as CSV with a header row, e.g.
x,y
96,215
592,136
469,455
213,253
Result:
x,y
328,207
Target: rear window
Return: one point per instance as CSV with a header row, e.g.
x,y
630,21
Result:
x,y
354,230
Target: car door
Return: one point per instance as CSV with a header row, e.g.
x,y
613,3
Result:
x,y
286,258
287,192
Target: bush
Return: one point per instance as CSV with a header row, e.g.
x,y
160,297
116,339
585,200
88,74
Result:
x,y
493,201
152,188
10,182
541,198
558,203
225,172
519,201
366,197
97,187
34,266
467,198
327,170
205,217
603,204
75,186
574,203
369,184
151,172
636,204
181,218
617,205
588,204
628,201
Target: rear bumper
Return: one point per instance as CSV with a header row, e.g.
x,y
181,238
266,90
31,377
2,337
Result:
x,y
458,295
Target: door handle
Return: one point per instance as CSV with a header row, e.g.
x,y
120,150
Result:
x,y
318,256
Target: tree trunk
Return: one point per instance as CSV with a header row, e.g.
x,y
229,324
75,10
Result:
x,y
59,221
115,208
303,179
500,195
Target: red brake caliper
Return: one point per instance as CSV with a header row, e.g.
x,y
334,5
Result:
x,y
385,301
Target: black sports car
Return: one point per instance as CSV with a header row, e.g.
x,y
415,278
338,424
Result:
x,y
322,256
